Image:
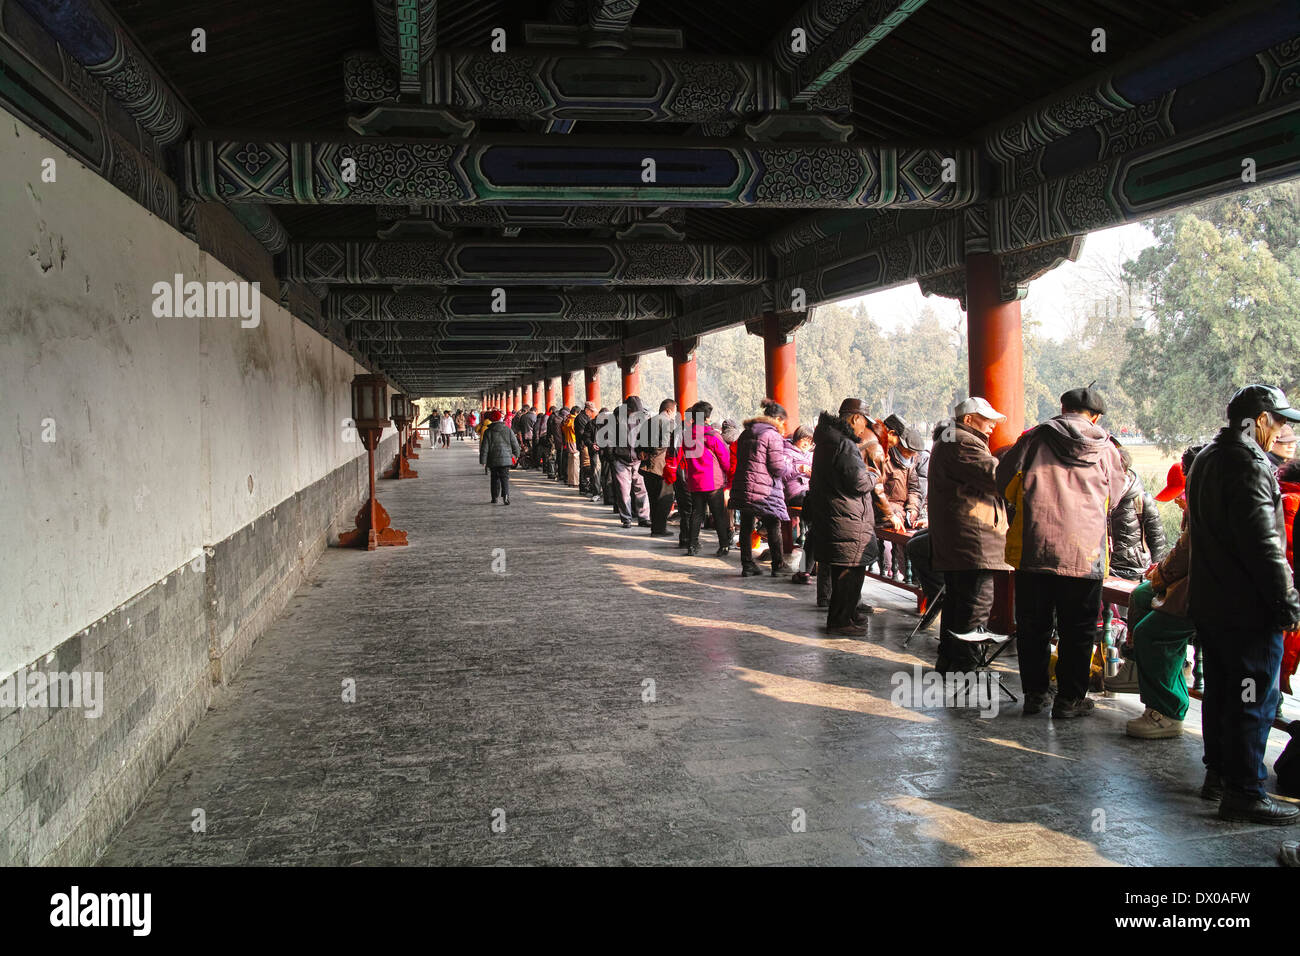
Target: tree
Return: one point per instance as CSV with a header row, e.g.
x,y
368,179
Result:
x,y
1225,311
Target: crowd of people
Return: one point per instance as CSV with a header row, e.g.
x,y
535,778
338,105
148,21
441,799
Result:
x,y
460,424
1058,512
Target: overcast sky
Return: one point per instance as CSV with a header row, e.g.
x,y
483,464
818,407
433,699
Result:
x,y
1050,297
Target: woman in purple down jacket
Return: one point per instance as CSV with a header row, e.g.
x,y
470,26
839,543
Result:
x,y
705,464
758,488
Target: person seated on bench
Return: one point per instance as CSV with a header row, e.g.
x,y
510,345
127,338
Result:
x,y
968,528
1157,619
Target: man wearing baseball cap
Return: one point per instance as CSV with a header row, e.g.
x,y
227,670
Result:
x,y
1062,479
1242,597
968,529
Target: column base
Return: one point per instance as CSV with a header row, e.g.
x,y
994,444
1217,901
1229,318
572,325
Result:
x,y
364,536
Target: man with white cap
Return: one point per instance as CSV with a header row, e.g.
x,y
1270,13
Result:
x,y
968,528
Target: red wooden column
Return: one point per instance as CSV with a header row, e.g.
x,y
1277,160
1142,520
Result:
x,y
997,366
540,392
591,375
566,388
528,394
682,352
779,364
997,373
550,394
631,376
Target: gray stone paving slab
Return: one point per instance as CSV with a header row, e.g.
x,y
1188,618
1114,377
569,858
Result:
x,y
482,690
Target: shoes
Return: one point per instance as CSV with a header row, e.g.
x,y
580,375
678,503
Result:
x,y
1065,708
1212,788
722,552
494,501
661,534
1154,725
643,524
1125,680
505,500
1036,702
847,630
750,571
1265,810
781,569
626,524
864,610
801,577
692,551
1289,854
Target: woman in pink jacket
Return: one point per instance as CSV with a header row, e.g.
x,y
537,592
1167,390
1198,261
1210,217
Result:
x,y
706,462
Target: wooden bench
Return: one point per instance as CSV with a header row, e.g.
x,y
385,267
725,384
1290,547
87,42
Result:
x,y
900,539
1120,591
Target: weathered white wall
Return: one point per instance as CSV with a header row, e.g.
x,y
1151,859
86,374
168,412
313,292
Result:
x,y
160,422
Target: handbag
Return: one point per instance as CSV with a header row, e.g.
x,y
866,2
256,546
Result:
x,y
671,464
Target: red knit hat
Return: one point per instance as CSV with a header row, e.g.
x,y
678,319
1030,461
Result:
x,y
494,415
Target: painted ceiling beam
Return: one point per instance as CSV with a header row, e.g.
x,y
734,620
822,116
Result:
x,y
90,34
535,217
504,262
834,55
407,31
519,304
580,170
504,328
93,38
610,16
1240,32
565,85
452,350
817,20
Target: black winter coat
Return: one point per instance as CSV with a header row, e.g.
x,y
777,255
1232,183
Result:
x,y
1137,535
1238,578
838,503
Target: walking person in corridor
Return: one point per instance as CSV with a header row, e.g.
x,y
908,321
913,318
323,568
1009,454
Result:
x,y
499,450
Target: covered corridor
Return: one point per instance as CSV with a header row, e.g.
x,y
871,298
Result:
x,y
521,691
239,244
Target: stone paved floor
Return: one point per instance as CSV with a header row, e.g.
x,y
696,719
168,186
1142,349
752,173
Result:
x,y
479,691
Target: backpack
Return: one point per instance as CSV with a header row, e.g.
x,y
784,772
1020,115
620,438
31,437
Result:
x,y
1287,765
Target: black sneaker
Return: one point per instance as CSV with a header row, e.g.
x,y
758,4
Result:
x,y
722,552
1265,810
692,551
627,524
1065,708
800,577
750,571
1212,788
1036,702
494,501
505,500
643,524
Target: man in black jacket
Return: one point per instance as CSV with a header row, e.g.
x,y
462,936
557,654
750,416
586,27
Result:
x,y
1242,598
838,506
